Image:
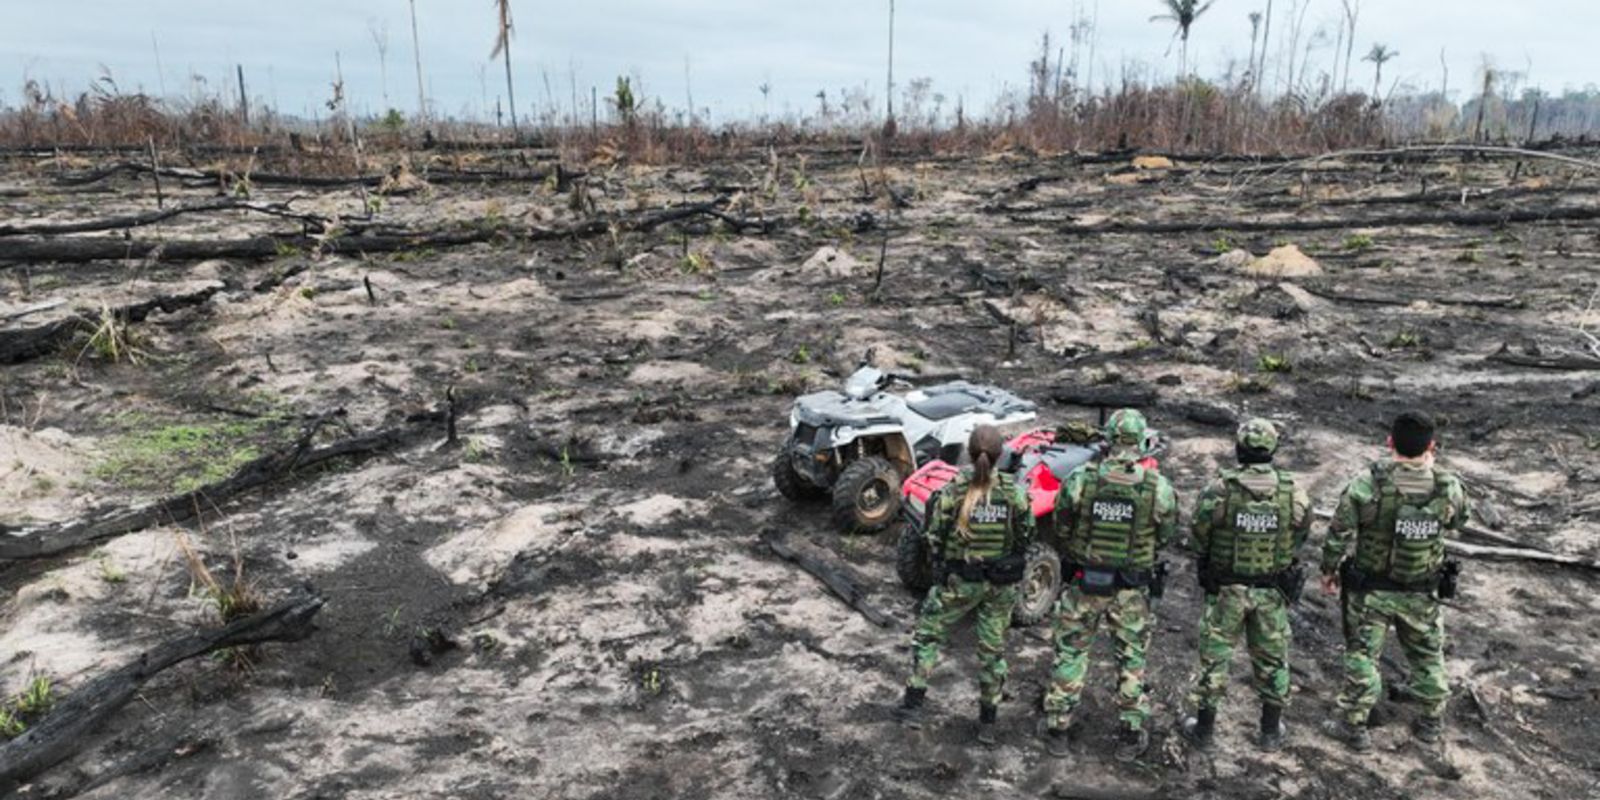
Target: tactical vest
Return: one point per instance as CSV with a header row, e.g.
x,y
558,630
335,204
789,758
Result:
x,y
1114,528
1253,536
991,526
1405,541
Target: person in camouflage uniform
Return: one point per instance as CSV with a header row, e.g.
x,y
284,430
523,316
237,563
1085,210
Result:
x,y
1113,516
980,529
1398,512
1246,529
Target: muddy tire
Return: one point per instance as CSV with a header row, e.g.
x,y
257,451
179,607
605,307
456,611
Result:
x,y
866,497
913,559
790,484
1041,582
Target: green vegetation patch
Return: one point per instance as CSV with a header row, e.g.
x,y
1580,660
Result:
x,y
179,458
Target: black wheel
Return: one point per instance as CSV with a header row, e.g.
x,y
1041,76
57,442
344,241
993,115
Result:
x,y
1041,582
913,560
790,483
866,497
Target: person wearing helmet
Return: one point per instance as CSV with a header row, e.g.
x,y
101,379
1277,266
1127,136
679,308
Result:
x,y
1246,529
1114,516
980,529
1398,511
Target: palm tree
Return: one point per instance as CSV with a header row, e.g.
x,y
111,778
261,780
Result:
x,y
1183,13
502,46
1379,55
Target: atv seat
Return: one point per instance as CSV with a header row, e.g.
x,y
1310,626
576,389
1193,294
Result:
x,y
945,405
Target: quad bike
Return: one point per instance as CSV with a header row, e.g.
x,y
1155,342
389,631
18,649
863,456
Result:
x,y
857,447
1041,464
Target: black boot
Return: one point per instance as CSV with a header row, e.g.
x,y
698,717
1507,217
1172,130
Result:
x,y
1273,730
1428,729
1132,743
1057,742
909,712
1200,730
1354,735
986,717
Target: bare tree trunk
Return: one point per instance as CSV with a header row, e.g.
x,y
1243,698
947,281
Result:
x,y
244,99
511,95
1352,11
416,51
1266,33
889,87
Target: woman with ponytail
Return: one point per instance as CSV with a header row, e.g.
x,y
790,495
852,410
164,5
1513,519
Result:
x,y
979,529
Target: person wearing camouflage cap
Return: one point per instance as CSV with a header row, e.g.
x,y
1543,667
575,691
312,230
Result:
x,y
1246,529
1398,511
1114,516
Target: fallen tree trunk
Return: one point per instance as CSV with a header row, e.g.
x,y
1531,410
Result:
x,y
1488,553
1491,301
838,577
32,543
69,726
1569,363
1105,396
310,181
19,343
1483,218
80,250
152,217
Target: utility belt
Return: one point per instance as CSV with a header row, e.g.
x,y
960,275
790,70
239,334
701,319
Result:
x,y
1005,570
1291,581
1103,581
1444,582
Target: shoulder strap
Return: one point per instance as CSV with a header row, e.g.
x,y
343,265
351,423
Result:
x,y
1388,498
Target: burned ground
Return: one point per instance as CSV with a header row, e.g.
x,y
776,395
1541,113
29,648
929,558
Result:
x,y
576,599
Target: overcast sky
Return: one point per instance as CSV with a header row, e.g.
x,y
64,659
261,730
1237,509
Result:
x,y
969,48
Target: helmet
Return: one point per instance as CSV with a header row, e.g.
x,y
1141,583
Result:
x,y
1126,427
1259,434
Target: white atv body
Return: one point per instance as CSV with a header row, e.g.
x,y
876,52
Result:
x,y
859,445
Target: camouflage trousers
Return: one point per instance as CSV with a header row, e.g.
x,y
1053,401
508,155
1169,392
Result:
x,y
1078,617
946,605
1262,615
1418,625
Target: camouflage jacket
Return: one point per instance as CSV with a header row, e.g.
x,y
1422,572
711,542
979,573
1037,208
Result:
x,y
943,523
1069,502
1358,506
1259,478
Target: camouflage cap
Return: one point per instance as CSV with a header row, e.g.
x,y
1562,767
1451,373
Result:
x,y
1259,434
1125,427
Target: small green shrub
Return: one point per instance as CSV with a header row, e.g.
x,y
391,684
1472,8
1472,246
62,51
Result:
x,y
1273,362
1357,241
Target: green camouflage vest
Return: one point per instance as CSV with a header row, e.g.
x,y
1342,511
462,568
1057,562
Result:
x,y
1115,526
1253,536
993,532
1405,542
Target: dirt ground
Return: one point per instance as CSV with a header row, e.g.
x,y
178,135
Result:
x,y
575,601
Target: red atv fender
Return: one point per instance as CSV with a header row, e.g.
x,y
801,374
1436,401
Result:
x,y
1043,485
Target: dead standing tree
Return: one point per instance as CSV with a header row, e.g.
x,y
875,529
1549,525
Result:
x,y
502,47
416,53
889,126
379,31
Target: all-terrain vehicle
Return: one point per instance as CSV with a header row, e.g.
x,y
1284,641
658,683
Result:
x,y
857,447
1041,464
